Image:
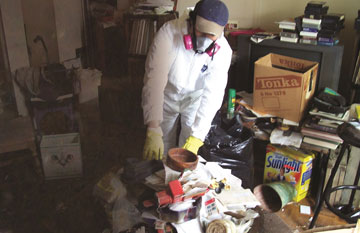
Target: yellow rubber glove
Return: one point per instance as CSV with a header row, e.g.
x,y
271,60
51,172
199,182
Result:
x,y
154,145
193,144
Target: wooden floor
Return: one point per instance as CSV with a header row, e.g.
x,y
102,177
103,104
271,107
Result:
x,y
292,217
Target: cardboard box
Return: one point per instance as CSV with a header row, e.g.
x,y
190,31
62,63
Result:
x,y
90,81
61,155
283,86
283,163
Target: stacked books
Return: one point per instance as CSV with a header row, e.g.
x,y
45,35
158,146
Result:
x,y
331,25
311,22
310,30
320,27
142,34
316,26
153,6
289,30
321,132
332,116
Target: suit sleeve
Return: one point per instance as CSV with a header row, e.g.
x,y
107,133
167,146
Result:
x,y
158,62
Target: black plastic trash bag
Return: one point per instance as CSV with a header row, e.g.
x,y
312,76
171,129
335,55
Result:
x,y
231,145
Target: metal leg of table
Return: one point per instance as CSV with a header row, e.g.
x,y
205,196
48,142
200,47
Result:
x,y
324,159
328,185
356,182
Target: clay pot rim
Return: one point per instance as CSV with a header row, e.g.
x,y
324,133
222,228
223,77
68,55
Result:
x,y
179,165
183,150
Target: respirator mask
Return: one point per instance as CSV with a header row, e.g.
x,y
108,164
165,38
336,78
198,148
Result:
x,y
203,44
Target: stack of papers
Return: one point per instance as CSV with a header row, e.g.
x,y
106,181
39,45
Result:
x,y
234,201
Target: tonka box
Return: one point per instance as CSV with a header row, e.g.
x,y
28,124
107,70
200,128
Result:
x,y
287,164
283,86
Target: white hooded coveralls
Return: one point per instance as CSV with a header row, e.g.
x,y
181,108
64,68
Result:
x,y
180,82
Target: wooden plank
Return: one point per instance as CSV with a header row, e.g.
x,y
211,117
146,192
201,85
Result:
x,y
345,228
290,214
350,175
16,134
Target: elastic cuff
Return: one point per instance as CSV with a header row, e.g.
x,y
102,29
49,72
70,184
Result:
x,y
157,130
199,136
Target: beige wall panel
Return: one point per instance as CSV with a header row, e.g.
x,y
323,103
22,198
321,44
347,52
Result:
x,y
68,20
15,44
39,19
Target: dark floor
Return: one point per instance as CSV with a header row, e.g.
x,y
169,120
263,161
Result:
x,y
64,205
31,204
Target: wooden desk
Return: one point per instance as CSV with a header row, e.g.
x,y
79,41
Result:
x,y
18,134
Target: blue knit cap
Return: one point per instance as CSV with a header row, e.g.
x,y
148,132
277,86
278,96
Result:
x,y
212,16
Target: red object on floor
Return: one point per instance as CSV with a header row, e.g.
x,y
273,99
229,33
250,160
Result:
x,y
176,190
163,198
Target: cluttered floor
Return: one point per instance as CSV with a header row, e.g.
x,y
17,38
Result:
x,y
28,203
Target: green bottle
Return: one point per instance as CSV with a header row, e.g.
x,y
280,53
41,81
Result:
x,y
231,103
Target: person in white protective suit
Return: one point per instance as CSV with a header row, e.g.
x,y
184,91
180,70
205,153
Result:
x,y
186,74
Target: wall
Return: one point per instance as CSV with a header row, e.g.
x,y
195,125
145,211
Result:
x,y
39,19
14,33
264,14
123,4
13,24
68,21
244,11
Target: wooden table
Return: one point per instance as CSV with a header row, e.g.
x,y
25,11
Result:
x,y
18,134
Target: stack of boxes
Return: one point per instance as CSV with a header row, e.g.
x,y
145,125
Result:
x,y
289,32
330,27
310,31
315,10
319,27
311,22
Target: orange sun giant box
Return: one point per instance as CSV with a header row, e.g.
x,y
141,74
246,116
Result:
x,y
283,86
283,163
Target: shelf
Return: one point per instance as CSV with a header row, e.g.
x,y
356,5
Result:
x,y
149,16
140,30
136,56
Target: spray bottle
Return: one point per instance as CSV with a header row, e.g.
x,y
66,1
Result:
x,y
231,103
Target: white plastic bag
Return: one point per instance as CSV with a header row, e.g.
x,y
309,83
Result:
x,y
125,215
